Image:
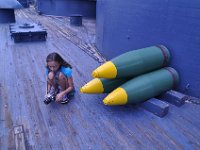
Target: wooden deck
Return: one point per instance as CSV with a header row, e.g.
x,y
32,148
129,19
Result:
x,y
83,123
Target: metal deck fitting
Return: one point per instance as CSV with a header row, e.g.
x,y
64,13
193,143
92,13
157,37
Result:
x,y
27,32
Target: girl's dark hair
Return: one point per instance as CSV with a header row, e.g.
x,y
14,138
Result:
x,y
56,57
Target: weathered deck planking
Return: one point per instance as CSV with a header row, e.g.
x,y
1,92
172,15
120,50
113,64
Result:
x,y
84,123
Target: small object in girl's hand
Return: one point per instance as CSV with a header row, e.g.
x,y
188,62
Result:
x,y
49,98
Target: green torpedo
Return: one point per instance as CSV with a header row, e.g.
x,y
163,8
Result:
x,y
134,63
144,87
99,85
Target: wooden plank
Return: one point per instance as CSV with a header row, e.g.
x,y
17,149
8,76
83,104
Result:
x,y
156,107
19,138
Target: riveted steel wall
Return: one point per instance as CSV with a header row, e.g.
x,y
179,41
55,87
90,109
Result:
x,y
132,24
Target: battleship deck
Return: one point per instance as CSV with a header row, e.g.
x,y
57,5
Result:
x,y
83,123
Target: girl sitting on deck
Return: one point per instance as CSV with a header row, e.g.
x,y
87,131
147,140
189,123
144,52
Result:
x,y
60,85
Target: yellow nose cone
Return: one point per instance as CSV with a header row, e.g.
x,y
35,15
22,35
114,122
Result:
x,y
107,70
117,97
92,87
95,74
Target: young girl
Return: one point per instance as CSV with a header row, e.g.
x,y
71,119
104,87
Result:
x,y
59,78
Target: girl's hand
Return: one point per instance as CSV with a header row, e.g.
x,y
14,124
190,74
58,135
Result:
x,y
59,96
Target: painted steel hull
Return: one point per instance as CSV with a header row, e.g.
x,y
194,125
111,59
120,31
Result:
x,y
122,26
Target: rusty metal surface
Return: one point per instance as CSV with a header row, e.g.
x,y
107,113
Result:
x,y
84,123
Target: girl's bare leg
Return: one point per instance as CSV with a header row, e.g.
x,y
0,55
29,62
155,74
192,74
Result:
x,y
50,77
62,81
50,81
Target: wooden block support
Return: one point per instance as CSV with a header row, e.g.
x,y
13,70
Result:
x,y
174,97
19,138
156,107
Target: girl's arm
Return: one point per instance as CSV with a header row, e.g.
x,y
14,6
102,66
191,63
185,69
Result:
x,y
70,87
70,84
48,86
